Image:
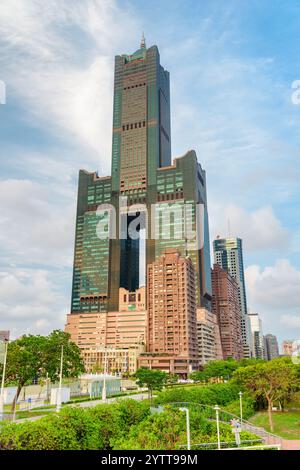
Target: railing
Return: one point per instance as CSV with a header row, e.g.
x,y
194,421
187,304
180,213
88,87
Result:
x,y
225,417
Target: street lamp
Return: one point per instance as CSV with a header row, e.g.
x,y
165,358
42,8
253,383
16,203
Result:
x,y
3,380
241,406
104,378
188,432
217,409
58,396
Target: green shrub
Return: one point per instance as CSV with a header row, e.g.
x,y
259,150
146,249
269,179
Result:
x,y
215,394
248,407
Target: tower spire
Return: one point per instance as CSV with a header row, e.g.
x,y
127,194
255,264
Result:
x,y
143,42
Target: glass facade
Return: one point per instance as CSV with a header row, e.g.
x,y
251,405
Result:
x,y
141,171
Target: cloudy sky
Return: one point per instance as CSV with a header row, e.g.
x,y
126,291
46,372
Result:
x,y
232,67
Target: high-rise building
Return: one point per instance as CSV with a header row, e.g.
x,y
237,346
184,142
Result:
x,y
228,253
287,347
271,349
172,314
209,339
226,307
256,335
127,220
4,335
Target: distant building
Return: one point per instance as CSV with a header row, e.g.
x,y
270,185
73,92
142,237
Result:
x,y
257,336
112,360
209,340
4,335
228,254
172,319
271,349
226,307
124,330
287,347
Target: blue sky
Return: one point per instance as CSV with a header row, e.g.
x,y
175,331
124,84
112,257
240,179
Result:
x,y
232,66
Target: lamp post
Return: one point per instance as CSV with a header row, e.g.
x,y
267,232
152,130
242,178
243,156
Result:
x,y
104,378
241,406
58,397
217,409
188,432
3,380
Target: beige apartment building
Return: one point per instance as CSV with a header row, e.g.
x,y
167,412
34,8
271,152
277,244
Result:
x,y
123,331
172,343
209,339
112,360
287,347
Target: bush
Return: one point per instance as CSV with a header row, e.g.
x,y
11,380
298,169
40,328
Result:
x,y
75,428
248,407
215,394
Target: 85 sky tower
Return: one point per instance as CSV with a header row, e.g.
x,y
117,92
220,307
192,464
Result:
x,y
142,177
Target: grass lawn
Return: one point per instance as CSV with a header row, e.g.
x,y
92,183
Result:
x,y
286,423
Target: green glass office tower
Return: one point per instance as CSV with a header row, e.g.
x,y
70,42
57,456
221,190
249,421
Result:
x,y
141,174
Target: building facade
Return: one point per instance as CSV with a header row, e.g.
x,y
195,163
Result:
x,y
257,336
271,349
112,360
228,253
4,335
226,307
126,221
172,313
287,347
209,339
145,191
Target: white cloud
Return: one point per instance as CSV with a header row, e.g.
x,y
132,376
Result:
x,y
273,292
275,287
63,83
30,301
35,228
291,321
260,229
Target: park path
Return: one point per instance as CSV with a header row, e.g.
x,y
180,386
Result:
x,y
288,444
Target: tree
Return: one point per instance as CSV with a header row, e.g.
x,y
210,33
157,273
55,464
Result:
x,y
24,362
33,357
97,368
216,369
72,361
273,380
152,379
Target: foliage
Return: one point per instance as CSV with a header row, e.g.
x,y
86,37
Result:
x,y
33,357
152,379
72,363
75,428
273,381
248,407
221,369
215,394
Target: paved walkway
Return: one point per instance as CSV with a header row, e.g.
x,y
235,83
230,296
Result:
x,y
290,445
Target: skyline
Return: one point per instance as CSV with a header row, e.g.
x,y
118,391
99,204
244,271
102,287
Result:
x,y
40,171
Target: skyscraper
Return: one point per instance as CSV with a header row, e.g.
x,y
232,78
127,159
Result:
x,y
228,253
146,194
271,348
256,336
